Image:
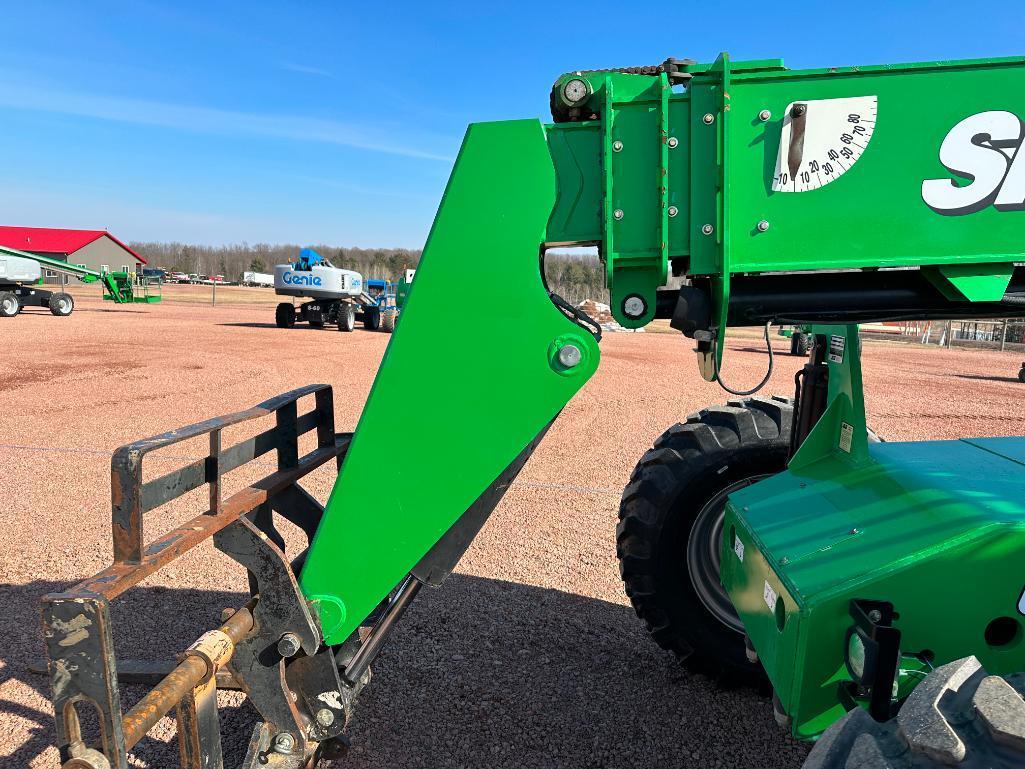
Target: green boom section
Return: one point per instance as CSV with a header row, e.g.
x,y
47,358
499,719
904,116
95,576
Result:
x,y
662,175
457,398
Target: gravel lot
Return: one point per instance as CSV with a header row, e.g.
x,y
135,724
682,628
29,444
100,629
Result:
x,y
530,654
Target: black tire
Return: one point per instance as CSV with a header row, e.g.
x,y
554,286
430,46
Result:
x,y
958,716
346,317
802,345
670,528
284,315
388,318
1021,374
9,304
62,304
793,344
371,318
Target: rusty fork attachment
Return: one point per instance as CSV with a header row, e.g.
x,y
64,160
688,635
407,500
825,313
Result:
x,y
270,648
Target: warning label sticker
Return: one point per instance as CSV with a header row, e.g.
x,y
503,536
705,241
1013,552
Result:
x,y
738,548
770,596
836,348
846,436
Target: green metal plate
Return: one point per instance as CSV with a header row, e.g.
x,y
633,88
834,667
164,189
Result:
x,y
459,394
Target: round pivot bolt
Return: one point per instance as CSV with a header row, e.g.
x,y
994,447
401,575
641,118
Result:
x,y
764,115
288,645
709,118
570,355
707,229
284,743
673,211
634,307
87,758
617,214
325,717
763,225
617,145
673,142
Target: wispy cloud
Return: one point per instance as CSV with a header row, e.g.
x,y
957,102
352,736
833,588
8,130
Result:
x,y
17,95
305,69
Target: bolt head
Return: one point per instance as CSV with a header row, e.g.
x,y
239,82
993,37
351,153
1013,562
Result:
x,y
673,211
325,717
673,142
617,145
763,226
284,743
707,229
764,115
289,645
709,118
633,306
875,615
617,214
570,355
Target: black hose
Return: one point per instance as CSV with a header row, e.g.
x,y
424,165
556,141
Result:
x,y
760,385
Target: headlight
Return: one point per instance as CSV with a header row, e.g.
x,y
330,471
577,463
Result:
x,y
575,91
857,654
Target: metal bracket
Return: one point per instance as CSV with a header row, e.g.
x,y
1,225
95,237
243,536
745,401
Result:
x,y
281,611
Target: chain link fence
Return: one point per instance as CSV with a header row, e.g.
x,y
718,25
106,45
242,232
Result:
x,y
993,334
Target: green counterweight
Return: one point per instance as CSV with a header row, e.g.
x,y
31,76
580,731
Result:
x,y
935,528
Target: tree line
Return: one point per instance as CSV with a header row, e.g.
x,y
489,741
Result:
x,y
573,276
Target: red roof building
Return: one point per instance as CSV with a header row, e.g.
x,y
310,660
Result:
x,y
95,249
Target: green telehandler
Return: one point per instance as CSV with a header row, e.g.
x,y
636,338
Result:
x,y
877,587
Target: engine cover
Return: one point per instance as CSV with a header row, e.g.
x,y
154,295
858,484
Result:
x,y
937,529
319,282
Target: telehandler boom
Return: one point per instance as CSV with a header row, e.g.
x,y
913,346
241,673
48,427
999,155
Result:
x,y
868,582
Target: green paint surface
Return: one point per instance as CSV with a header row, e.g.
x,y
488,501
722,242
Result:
x,y
457,397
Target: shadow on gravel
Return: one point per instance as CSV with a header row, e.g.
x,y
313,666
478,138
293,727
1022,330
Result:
x,y
480,672
986,378
296,327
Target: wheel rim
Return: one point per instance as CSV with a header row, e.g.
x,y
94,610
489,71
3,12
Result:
x,y
64,305
9,306
702,556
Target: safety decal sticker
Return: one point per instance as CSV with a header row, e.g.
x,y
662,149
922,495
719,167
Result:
x,y
836,348
738,547
846,436
770,596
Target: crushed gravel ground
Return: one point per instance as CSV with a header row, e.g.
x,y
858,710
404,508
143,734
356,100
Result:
x,y
530,654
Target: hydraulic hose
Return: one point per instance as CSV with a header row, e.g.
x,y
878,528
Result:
x,y
757,387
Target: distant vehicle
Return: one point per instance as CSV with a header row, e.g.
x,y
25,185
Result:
x,y
177,277
335,294
257,279
153,273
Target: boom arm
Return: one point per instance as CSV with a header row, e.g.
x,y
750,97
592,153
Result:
x,y
84,274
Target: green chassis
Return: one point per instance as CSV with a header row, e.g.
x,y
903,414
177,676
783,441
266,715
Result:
x,y
671,179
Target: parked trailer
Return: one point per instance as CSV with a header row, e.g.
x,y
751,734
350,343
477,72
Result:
x,y
264,279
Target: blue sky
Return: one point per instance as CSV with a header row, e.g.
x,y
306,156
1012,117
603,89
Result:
x,y
337,122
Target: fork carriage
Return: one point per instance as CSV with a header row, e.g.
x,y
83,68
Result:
x,y
264,648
